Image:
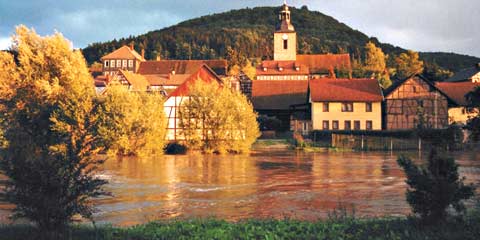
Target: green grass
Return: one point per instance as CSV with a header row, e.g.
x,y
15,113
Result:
x,y
340,228
271,142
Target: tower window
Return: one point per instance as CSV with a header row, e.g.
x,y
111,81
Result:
x,y
285,44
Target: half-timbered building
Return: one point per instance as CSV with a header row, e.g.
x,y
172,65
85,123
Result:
x,y
415,102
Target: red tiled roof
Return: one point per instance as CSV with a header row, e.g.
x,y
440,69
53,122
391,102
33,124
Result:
x,y
101,81
166,80
328,89
179,66
324,62
123,53
278,94
204,73
287,68
457,90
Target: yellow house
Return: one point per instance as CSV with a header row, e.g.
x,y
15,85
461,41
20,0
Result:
x,y
346,104
457,110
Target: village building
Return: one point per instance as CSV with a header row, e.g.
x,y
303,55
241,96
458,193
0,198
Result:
x,y
346,104
281,86
458,111
415,102
471,74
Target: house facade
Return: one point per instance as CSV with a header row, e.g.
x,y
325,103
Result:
x,y
458,112
415,102
345,104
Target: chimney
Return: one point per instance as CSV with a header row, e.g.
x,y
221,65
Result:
x,y
143,53
131,46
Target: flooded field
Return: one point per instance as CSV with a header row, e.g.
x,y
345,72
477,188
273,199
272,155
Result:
x,y
264,184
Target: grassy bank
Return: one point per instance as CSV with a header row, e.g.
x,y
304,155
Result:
x,y
387,228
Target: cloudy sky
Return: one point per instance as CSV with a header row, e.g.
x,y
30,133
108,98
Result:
x,y
422,25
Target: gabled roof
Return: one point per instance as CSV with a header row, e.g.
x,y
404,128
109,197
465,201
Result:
x,y
398,83
345,90
321,63
166,79
136,81
204,73
457,90
278,94
465,74
287,68
180,66
123,53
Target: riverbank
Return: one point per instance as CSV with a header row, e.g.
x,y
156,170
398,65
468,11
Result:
x,y
339,227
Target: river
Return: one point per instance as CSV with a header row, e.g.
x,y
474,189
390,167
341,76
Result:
x,y
264,184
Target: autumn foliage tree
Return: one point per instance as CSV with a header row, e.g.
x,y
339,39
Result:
x,y
131,123
217,119
408,64
46,101
375,64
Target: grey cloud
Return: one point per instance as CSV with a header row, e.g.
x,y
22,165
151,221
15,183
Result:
x,y
423,25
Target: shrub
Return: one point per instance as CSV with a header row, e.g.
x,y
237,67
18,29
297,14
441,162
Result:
x,y
175,148
131,123
432,189
46,101
217,119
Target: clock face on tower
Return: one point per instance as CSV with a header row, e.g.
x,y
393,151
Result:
x,y
285,37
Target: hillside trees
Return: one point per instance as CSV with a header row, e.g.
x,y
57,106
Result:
x,y
46,101
408,64
473,124
217,119
131,123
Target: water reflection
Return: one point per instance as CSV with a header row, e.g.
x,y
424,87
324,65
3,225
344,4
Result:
x,y
262,185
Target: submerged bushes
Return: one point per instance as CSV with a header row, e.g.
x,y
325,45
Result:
x,y
131,123
218,119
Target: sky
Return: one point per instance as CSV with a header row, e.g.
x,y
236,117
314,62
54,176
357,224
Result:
x,y
420,25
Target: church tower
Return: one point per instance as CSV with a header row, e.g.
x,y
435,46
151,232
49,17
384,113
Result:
x,y
285,37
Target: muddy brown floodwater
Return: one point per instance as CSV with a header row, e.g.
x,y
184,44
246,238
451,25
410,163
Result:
x,y
265,184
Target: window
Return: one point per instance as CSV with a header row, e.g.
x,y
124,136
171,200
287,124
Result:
x,y
347,107
369,125
119,63
106,64
368,107
124,63
325,107
130,63
356,125
112,63
414,89
285,44
348,125
335,125
325,125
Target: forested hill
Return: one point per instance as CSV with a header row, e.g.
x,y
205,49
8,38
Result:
x,y
249,33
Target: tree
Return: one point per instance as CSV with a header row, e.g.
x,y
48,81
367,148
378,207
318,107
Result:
x,y
46,99
408,64
375,64
217,119
432,189
131,123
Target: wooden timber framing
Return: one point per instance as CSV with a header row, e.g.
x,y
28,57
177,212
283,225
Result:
x,y
413,102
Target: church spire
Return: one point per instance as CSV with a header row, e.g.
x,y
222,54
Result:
x,y
285,24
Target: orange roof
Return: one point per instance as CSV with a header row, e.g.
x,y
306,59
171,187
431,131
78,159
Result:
x,y
324,62
282,68
345,90
166,79
457,90
123,53
278,94
138,82
204,73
